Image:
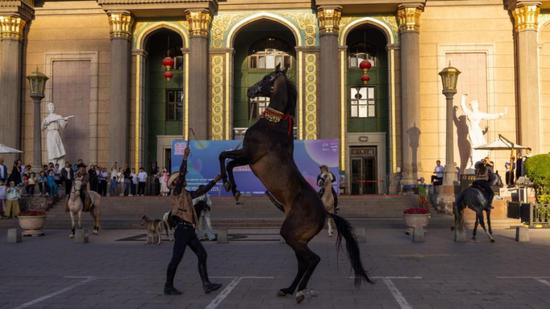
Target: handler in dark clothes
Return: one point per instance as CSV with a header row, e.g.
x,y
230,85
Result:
x,y
185,220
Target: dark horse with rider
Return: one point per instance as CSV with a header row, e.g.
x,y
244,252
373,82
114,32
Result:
x,y
268,148
478,197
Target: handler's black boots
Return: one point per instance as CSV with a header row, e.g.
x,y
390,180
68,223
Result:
x,y
211,287
171,290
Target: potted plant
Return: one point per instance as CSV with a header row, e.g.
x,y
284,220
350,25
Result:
x,y
416,217
32,222
537,168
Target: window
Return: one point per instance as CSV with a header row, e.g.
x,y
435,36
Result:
x,y
258,106
174,105
269,52
355,59
363,104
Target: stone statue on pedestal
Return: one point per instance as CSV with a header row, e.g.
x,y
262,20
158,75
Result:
x,y
54,124
476,134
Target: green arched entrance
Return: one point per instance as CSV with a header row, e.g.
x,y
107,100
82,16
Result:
x,y
259,47
368,109
163,107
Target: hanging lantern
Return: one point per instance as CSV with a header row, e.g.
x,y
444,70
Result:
x,y
168,75
365,65
168,63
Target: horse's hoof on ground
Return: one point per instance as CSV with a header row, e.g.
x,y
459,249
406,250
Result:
x,y
492,240
284,292
71,235
300,296
330,234
95,232
237,195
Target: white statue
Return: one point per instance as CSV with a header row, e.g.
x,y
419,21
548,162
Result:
x,y
54,124
476,134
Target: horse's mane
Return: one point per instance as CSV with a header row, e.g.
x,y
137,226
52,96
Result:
x,y
292,95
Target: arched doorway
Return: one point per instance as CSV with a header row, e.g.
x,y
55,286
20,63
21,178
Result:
x,y
259,48
367,110
163,98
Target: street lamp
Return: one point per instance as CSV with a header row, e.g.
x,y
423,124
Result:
x,y
449,78
37,84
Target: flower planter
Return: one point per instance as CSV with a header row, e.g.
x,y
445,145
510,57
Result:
x,y
32,225
416,220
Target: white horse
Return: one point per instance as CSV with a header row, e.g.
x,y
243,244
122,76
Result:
x,y
76,207
328,199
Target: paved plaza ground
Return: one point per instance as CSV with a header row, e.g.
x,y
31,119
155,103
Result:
x,y
117,270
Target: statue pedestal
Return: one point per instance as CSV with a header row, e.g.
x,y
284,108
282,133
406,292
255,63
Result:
x,y
445,198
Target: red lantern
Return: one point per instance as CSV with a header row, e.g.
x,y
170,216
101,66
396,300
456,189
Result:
x,y
365,65
365,79
168,75
168,63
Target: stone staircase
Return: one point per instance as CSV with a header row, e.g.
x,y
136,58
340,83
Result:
x,y
254,212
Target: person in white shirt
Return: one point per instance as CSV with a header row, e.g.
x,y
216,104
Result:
x,y
142,179
439,171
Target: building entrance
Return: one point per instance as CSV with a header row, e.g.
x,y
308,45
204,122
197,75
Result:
x,y
363,170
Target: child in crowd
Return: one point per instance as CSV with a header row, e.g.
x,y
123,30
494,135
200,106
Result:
x,y
2,198
41,183
12,200
422,193
31,182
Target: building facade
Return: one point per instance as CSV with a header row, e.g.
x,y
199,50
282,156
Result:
x,y
104,63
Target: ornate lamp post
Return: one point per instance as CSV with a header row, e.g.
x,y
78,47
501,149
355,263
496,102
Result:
x,y
449,78
37,83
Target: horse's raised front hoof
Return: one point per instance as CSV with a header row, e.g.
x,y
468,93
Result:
x,y
300,296
227,186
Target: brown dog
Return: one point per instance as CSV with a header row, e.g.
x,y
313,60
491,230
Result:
x,y
153,228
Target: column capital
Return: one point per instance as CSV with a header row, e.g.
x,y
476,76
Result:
x,y
12,27
199,22
408,16
329,18
121,23
526,15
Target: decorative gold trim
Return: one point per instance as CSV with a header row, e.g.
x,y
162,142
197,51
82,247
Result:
x,y
12,28
526,16
227,107
343,115
311,96
408,17
199,22
137,129
186,118
121,25
217,110
299,112
329,18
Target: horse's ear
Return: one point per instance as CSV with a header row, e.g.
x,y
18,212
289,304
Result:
x,y
278,67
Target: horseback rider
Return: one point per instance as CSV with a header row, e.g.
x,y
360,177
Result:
x,y
184,217
326,175
82,175
483,172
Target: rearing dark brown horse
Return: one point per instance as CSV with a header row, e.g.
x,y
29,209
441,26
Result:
x,y
268,148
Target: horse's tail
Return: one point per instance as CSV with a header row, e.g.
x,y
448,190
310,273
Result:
x,y
345,230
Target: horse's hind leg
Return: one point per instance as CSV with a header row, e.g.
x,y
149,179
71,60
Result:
x,y
474,233
329,223
311,261
95,215
489,222
299,275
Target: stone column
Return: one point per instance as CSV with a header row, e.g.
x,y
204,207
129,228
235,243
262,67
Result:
x,y
408,16
11,34
525,15
119,107
329,81
199,24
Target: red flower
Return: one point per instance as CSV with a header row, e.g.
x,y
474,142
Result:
x,y
33,213
416,211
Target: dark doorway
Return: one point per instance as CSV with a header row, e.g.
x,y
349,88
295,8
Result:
x,y
363,170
